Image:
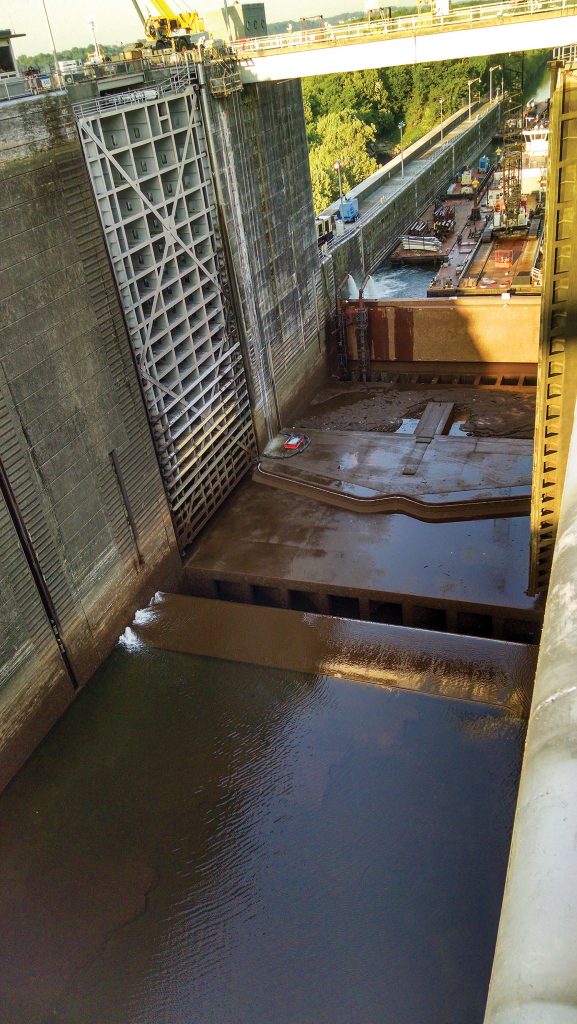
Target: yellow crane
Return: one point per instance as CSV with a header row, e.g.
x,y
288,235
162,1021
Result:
x,y
168,28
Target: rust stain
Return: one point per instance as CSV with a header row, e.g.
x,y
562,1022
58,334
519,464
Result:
x,y
403,333
351,336
379,332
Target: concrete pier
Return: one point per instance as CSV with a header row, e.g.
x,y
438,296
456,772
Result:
x,y
535,971
259,153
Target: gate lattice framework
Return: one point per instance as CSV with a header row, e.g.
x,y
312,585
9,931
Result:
x,y
150,174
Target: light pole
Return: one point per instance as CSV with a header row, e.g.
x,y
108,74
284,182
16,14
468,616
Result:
x,y
96,47
57,80
470,82
496,67
337,166
401,126
441,101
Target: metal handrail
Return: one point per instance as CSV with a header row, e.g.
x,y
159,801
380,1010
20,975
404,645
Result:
x,y
566,54
416,24
181,79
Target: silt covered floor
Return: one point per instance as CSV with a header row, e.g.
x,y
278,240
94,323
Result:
x,y
269,545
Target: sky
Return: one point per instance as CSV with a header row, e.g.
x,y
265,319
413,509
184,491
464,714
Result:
x,y
116,20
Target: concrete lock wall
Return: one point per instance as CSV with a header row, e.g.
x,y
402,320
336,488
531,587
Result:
x,y
260,162
534,978
451,329
366,188
82,508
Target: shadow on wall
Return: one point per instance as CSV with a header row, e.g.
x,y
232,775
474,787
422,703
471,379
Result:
x,y
475,332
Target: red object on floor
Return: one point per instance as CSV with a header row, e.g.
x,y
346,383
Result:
x,y
293,443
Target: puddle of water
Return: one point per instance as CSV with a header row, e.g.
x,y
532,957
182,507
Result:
x,y
458,429
349,460
461,415
408,426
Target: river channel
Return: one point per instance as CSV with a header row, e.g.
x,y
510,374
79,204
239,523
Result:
x,y
209,842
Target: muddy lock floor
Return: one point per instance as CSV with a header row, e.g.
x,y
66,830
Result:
x,y
388,408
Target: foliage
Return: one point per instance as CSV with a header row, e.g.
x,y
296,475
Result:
x,y
46,60
536,72
378,100
342,137
362,92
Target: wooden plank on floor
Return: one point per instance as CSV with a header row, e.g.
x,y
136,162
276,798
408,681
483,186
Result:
x,y
434,419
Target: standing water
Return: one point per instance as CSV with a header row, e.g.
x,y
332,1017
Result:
x,y
208,842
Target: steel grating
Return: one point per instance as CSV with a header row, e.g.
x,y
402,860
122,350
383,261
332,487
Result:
x,y
151,178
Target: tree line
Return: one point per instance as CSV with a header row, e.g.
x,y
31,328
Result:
x,y
353,117
45,61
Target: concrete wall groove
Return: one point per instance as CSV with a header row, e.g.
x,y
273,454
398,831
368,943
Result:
x,y
68,396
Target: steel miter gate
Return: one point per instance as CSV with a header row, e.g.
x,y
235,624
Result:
x,y
147,159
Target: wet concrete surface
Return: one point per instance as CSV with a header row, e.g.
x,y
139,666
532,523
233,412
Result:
x,y
458,667
276,538
220,843
486,412
435,472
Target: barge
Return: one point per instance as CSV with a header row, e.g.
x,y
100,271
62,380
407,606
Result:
x,y
431,237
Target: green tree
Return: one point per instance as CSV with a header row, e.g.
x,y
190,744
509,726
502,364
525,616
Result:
x,y
378,100
46,60
322,180
342,137
363,92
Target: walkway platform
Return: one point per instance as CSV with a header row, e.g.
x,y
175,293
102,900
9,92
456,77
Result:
x,y
470,31
388,184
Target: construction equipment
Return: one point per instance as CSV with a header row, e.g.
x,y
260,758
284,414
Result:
x,y
513,146
169,29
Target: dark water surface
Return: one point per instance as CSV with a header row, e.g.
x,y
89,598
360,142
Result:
x,y
207,842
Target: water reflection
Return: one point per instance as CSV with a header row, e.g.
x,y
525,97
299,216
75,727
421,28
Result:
x,y
201,841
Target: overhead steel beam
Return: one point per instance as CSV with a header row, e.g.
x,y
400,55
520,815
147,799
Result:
x,y
417,39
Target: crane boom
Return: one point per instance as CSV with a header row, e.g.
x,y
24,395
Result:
x,y
139,12
166,11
